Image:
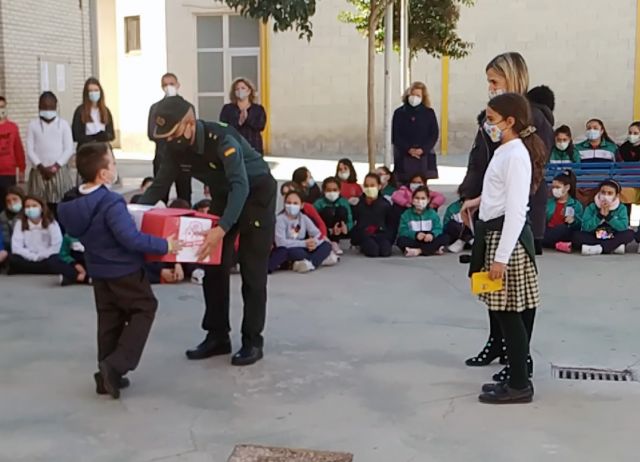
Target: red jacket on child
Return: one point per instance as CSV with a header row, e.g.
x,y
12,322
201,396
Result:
x,y
11,150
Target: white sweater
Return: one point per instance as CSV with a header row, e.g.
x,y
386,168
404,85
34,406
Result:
x,y
49,143
36,243
505,191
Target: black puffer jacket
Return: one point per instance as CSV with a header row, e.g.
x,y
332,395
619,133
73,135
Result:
x,y
483,149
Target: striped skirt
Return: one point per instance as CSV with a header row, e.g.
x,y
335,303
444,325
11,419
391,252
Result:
x,y
53,190
521,291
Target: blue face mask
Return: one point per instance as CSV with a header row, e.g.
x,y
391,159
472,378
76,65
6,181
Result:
x,y
33,212
48,115
311,183
16,207
94,96
292,209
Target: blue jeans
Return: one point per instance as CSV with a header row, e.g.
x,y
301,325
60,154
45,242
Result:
x,y
282,255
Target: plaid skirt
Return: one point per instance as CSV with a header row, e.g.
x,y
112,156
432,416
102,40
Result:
x,y
521,290
51,191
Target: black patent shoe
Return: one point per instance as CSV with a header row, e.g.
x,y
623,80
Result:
x,y
247,356
489,387
492,350
210,347
504,394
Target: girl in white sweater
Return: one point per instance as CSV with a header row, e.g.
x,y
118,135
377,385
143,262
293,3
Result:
x,y
36,241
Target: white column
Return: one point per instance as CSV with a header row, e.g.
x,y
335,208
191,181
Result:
x,y
404,44
388,93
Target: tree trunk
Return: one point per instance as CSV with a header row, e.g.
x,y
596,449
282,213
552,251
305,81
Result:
x,y
371,102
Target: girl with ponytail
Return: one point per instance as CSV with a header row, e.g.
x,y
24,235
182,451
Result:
x,y
564,213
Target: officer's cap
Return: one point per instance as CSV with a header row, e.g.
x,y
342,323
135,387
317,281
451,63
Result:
x,y
168,114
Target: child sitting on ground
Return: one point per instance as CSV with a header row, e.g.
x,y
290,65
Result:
x,y
605,224
114,254
148,181
371,232
335,212
420,230
402,199
564,213
388,181
460,235
349,187
36,240
298,240
72,255
14,201
307,208
306,185
203,206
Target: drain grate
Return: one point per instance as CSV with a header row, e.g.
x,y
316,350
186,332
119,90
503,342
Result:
x,y
586,373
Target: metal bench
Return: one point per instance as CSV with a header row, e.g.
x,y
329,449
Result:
x,y
591,174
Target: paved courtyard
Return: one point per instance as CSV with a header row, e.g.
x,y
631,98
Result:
x,y
366,357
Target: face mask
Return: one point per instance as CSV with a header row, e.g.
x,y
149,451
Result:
x,y
332,196
371,192
494,132
420,204
292,209
33,212
311,183
562,146
170,90
344,176
115,178
179,144
48,115
3,113
593,134
558,192
16,207
497,92
414,186
242,94
634,139
94,96
606,198
414,100
384,179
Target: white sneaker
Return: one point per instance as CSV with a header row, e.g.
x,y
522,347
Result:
x,y
336,248
620,250
591,250
197,276
457,246
331,260
303,266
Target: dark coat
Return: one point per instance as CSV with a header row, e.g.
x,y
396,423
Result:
x,y
252,128
78,129
371,219
414,127
628,153
482,152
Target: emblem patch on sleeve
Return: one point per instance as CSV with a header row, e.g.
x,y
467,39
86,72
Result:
x,y
230,152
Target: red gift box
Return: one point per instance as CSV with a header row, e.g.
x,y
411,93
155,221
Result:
x,y
188,227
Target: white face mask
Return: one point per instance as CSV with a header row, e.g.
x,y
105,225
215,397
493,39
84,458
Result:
x,y
558,192
332,196
292,209
562,145
420,204
48,115
242,94
414,186
170,90
593,134
414,100
497,92
344,175
633,139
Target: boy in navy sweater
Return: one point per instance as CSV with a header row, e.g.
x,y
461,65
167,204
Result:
x,y
114,255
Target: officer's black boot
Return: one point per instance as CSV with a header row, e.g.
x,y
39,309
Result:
x,y
211,346
247,356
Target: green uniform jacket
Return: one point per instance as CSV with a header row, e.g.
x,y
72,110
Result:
x,y
558,156
65,249
221,159
412,223
571,202
453,209
618,220
323,203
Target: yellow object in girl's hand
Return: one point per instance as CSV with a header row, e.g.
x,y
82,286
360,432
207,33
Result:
x,y
482,284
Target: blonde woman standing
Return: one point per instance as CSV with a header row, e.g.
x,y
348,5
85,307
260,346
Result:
x,y
244,114
414,135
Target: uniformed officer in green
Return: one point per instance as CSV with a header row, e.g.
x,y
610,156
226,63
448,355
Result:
x,y
244,196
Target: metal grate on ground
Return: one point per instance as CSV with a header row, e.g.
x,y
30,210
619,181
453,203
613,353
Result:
x,y
587,373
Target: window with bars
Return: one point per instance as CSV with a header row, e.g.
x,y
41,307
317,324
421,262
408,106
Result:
x,y
228,48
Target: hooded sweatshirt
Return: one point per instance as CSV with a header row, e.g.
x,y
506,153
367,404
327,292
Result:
x,y
617,220
113,246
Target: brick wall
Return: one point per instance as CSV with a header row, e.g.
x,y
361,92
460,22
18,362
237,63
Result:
x,y
53,29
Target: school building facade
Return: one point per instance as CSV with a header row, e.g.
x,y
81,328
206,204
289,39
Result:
x,y
314,92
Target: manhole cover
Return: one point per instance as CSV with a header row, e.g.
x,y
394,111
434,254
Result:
x,y
587,373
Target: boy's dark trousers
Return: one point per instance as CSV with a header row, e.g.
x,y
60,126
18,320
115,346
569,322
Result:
x,y
126,308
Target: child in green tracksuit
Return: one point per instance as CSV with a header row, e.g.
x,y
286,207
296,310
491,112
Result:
x,y
564,151
335,211
605,223
72,254
420,231
454,227
564,213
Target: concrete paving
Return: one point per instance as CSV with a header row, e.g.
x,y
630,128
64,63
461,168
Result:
x,y
366,357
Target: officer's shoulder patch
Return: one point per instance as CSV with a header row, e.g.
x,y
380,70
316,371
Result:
x,y
230,152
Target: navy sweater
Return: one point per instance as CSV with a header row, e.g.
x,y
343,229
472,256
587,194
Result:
x,y
113,246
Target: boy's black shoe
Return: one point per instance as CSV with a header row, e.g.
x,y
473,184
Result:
x,y
66,282
100,390
489,387
110,379
210,347
247,356
504,394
